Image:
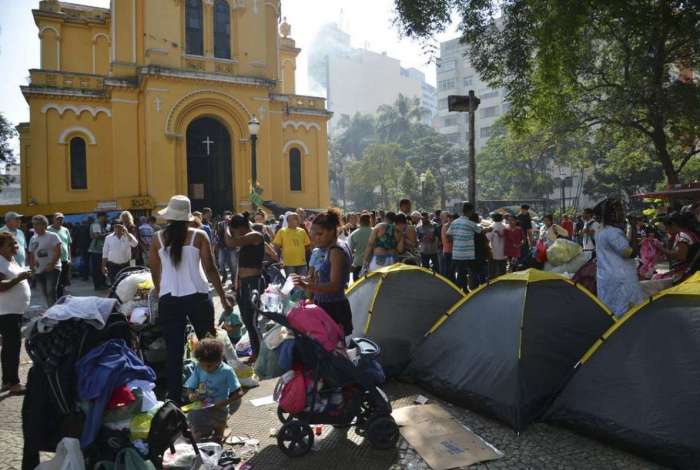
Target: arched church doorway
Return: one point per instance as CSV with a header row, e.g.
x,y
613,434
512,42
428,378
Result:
x,y
209,159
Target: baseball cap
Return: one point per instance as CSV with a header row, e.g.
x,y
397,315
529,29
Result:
x,y
12,216
58,215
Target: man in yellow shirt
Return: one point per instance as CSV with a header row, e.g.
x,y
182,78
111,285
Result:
x,y
294,242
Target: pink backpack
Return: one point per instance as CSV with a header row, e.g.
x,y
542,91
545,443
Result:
x,y
313,321
292,396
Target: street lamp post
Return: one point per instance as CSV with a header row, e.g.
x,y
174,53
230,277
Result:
x,y
468,104
253,128
562,177
422,188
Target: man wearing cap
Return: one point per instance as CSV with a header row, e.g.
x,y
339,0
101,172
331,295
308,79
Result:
x,y
12,221
116,253
63,234
45,258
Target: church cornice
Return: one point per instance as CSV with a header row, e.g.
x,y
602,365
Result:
x,y
63,93
157,71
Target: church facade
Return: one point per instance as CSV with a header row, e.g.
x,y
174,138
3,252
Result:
x,y
152,98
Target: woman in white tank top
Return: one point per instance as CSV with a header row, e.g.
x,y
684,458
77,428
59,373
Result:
x,y
182,267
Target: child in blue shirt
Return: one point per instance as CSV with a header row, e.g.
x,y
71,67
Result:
x,y
215,384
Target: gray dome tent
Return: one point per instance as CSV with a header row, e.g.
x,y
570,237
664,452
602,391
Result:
x,y
509,346
639,385
396,306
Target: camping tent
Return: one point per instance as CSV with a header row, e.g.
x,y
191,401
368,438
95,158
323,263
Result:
x,y
638,385
396,305
509,346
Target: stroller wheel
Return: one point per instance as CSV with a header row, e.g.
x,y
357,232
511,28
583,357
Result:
x,y
382,432
295,438
283,416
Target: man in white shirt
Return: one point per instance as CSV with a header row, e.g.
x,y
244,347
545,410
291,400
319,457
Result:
x,y
497,237
116,253
590,227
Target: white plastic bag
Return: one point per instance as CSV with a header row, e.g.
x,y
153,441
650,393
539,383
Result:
x,y
562,251
68,457
209,455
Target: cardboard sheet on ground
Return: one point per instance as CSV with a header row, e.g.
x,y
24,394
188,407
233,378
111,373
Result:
x,y
440,439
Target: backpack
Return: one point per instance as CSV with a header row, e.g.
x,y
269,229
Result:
x,y
168,424
313,321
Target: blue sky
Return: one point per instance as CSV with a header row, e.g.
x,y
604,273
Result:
x,y
369,22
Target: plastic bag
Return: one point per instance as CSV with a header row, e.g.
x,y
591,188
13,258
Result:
x,y
562,251
571,267
210,453
246,376
127,288
541,251
266,366
68,457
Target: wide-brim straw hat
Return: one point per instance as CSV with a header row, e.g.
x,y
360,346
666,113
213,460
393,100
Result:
x,y
179,210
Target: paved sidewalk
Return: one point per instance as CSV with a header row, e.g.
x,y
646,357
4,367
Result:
x,y
540,447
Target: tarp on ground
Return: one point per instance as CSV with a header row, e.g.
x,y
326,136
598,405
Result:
x,y
509,347
396,306
639,386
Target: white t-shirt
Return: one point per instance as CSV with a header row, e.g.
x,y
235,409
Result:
x,y
43,248
497,237
15,300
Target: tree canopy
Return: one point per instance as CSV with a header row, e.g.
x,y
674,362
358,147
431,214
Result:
x,y
7,132
397,144
585,65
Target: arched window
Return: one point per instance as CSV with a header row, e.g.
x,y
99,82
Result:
x,y
78,164
193,27
295,170
222,30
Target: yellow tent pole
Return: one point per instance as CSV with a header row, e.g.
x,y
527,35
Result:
x,y
371,305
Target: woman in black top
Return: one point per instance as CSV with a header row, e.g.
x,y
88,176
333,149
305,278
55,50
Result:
x,y
251,253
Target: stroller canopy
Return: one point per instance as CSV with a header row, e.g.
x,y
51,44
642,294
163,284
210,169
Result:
x,y
395,306
509,347
638,385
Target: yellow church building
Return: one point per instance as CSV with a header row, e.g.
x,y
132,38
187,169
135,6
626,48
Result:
x,y
152,98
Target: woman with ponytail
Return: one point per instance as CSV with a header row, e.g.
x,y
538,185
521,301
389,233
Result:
x,y
181,264
332,276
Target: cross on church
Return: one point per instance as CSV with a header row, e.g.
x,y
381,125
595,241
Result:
x,y
157,102
208,142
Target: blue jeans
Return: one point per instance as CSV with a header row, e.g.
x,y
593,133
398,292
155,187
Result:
x,y
300,270
48,283
227,259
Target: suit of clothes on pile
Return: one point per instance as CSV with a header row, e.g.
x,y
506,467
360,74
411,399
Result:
x,y
99,372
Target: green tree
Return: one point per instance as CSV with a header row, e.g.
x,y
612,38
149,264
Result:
x,y
374,177
429,191
619,64
409,183
7,133
397,123
516,165
448,163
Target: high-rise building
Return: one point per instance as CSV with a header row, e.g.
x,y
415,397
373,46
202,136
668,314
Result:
x,y
359,80
456,76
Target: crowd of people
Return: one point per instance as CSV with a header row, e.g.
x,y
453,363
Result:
x,y
193,253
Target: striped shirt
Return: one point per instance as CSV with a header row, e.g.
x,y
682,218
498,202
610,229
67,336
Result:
x,y
462,232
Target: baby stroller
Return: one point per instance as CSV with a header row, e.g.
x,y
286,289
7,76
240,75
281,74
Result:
x,y
149,341
343,394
